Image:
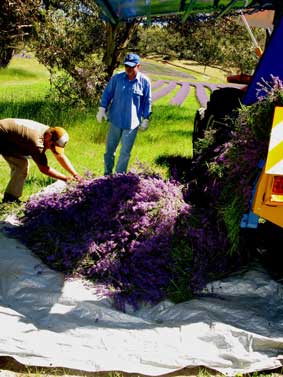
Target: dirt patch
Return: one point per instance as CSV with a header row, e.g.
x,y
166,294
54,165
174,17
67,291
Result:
x,y
11,368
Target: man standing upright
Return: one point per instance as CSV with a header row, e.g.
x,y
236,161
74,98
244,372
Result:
x,y
126,102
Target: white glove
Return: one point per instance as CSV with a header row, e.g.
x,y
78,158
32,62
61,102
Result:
x,y
144,125
101,114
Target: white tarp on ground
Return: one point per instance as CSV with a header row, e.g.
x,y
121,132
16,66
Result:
x,y
46,321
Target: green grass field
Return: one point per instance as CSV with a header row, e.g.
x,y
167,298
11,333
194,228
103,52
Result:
x,y
24,86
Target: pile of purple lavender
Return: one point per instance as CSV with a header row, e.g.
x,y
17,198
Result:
x,y
218,187
146,239
113,230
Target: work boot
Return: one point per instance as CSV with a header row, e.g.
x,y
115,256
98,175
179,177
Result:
x,y
9,198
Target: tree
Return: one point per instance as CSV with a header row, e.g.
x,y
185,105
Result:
x,y
157,39
16,24
206,40
79,48
223,42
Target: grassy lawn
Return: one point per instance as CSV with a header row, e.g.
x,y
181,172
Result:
x,y
24,86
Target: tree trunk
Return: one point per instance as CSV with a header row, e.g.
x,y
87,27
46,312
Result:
x,y
6,54
118,38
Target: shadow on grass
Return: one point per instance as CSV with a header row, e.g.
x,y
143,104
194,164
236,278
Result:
x,y
17,73
44,111
181,133
178,166
174,113
22,109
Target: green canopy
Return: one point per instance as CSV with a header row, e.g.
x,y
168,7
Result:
x,y
127,10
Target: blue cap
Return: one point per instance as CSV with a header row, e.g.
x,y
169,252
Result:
x,y
132,60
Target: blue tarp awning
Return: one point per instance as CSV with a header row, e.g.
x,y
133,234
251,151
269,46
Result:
x,y
127,10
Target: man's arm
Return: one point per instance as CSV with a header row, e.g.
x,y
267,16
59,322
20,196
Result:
x,y
53,173
146,109
66,164
147,100
108,92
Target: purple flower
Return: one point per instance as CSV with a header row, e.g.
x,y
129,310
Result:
x,y
114,230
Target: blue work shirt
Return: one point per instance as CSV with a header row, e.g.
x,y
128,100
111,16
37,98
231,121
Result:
x,y
127,101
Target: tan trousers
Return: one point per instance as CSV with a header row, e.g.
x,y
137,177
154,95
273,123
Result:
x,y
19,170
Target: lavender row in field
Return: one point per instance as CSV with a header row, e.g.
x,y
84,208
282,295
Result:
x,y
157,84
170,85
201,93
182,94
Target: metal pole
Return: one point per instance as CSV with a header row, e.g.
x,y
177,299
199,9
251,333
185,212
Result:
x,y
258,50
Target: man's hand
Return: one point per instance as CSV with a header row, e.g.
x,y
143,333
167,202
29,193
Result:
x,y
78,178
144,125
101,114
75,177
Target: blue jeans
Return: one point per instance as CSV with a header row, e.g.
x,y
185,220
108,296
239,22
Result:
x,y
127,138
